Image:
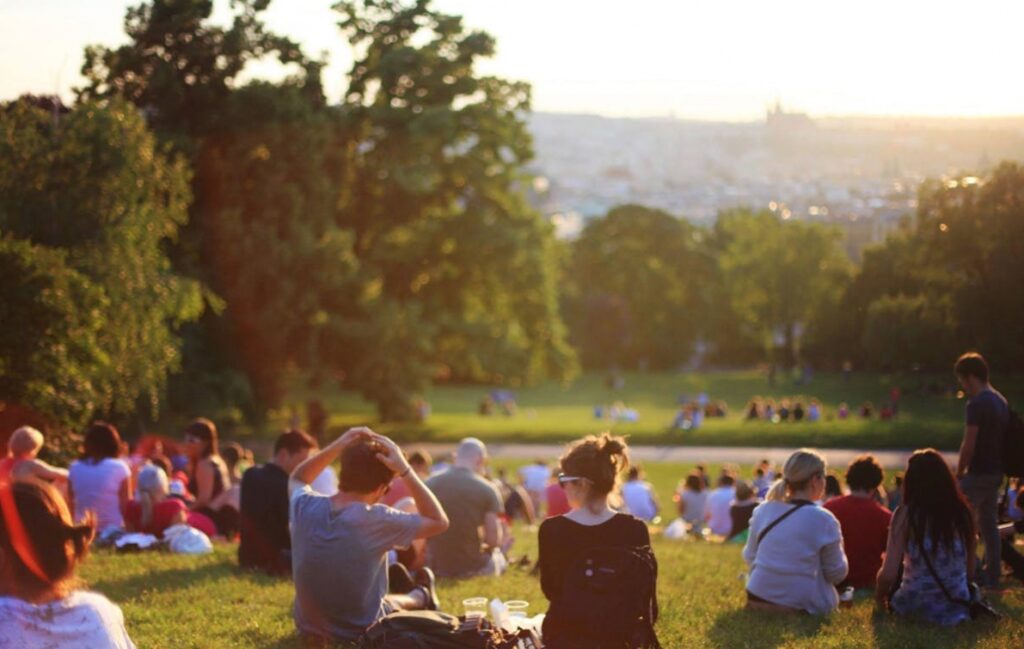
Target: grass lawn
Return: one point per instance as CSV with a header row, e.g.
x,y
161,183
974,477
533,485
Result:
x,y
556,413
173,601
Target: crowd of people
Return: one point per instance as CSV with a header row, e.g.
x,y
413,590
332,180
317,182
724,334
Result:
x,y
372,540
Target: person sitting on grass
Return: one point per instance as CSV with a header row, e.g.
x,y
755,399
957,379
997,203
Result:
x,y
740,511
589,472
638,496
795,548
101,481
155,510
932,536
864,521
690,500
264,541
473,503
209,473
21,462
716,511
40,549
340,543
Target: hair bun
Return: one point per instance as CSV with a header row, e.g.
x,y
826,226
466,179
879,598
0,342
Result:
x,y
610,446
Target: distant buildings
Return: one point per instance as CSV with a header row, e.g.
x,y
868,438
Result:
x,y
859,174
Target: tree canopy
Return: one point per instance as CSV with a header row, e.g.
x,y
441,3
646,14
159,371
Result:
x,y
88,202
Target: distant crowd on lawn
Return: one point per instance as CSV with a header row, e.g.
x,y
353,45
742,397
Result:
x,y
364,544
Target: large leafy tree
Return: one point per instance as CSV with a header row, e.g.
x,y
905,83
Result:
x,y
459,270
95,197
953,271
640,278
261,193
779,276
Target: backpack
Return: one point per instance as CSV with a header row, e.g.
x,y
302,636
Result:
x,y
1013,446
607,602
436,630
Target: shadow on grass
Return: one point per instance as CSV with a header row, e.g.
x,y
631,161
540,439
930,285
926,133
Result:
x,y
174,579
895,632
744,628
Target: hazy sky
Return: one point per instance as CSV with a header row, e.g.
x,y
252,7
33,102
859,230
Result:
x,y
714,59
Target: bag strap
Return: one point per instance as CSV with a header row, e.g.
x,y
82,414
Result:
x,y
935,575
771,526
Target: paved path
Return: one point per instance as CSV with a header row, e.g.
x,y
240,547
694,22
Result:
x,y
837,457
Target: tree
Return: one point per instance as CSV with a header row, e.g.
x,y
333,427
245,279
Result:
x,y
779,275
640,277
955,269
906,333
445,239
259,233
95,186
50,354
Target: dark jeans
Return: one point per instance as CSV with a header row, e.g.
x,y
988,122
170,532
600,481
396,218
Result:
x,y
982,492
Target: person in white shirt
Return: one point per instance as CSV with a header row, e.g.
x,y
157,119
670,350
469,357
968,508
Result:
x,y
41,549
100,482
535,479
716,511
795,548
638,496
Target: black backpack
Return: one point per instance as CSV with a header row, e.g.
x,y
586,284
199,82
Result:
x,y
436,630
1013,446
607,602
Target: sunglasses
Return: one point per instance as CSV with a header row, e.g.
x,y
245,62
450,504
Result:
x,y
566,479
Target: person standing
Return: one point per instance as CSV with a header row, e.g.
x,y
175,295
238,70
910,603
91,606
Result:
x,y
980,466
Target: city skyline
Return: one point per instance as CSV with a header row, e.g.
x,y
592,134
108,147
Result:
x,y
725,62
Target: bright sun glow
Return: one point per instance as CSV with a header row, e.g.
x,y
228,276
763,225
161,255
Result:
x,y
709,60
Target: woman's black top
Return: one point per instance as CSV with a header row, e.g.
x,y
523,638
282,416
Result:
x,y
562,540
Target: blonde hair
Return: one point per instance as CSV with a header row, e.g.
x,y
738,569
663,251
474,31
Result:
x,y
153,487
800,468
24,441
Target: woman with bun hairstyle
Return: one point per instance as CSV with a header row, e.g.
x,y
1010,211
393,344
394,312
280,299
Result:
x,y
40,549
590,471
795,548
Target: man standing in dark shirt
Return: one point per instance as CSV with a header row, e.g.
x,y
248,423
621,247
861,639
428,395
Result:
x,y
264,506
980,467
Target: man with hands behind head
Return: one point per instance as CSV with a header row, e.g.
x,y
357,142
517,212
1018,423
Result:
x,y
340,543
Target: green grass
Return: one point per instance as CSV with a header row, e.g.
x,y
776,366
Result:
x,y
206,602
555,413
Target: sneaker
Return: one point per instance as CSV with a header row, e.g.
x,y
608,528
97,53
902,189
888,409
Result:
x,y
427,583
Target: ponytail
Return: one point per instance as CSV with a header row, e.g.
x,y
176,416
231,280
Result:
x,y
777,493
800,468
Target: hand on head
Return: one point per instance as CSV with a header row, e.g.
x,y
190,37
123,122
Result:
x,y
390,455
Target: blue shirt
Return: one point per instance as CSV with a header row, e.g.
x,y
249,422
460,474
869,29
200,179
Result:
x,y
988,411
339,562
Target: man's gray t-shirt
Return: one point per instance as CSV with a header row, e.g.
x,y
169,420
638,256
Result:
x,y
466,498
339,562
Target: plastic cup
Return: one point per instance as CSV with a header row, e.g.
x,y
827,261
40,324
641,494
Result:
x,y
475,607
517,608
